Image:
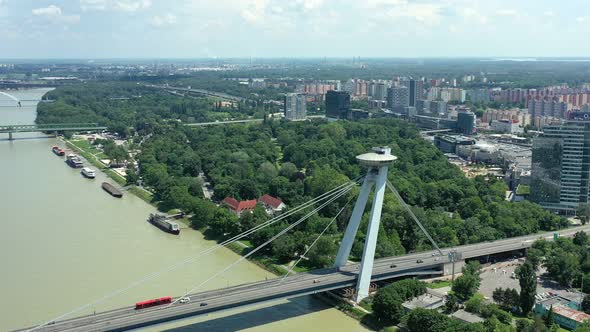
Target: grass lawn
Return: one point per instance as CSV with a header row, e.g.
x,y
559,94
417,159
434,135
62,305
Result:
x,y
439,284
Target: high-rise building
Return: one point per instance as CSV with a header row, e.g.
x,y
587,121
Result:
x,y
398,98
466,122
379,91
337,104
416,90
295,106
561,165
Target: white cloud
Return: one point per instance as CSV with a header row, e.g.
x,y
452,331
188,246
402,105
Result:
x,y
89,5
54,14
581,19
132,6
51,10
429,14
310,4
549,13
473,14
160,21
115,5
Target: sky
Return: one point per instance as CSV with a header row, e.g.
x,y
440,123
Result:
x,y
293,28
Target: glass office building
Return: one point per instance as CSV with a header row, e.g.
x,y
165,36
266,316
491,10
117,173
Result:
x,y
560,166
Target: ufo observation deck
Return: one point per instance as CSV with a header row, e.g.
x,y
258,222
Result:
x,y
379,158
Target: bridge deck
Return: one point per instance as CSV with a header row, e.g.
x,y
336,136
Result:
x,y
50,127
297,285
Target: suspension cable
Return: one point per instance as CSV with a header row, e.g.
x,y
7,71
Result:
x,y
153,275
407,207
253,251
314,241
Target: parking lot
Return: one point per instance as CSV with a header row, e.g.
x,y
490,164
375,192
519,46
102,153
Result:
x,y
501,277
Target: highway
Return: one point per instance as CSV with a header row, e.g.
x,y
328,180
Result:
x,y
293,286
199,91
197,124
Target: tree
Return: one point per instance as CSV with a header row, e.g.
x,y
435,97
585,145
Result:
x,y
452,303
507,298
474,304
424,320
387,306
528,286
283,248
581,238
131,176
548,319
534,256
585,306
465,286
583,212
584,327
323,253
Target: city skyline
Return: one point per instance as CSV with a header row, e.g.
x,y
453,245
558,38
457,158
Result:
x,y
314,28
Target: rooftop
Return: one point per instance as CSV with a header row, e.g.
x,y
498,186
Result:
x,y
570,313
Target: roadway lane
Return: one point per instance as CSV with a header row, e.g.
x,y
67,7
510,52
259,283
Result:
x,y
293,286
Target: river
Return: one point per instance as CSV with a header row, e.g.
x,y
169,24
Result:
x,y
65,242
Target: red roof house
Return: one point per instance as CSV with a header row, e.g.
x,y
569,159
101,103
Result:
x,y
271,204
238,207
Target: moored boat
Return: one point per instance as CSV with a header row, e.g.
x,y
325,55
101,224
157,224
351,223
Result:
x,y
58,151
112,190
162,222
88,172
74,161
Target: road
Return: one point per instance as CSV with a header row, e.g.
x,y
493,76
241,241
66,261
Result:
x,y
297,285
199,91
222,122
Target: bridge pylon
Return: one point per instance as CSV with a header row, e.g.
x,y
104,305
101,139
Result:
x,y
378,162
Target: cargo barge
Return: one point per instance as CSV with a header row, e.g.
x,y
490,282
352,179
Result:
x,y
162,222
112,190
74,161
58,151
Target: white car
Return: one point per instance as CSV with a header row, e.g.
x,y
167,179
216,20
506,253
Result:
x,y
185,300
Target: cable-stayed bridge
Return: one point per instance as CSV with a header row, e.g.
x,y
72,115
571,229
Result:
x,y
431,263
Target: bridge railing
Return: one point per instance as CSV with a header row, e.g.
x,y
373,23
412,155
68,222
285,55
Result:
x,y
51,126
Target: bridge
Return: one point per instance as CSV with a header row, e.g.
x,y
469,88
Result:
x,y
53,127
430,263
198,91
294,286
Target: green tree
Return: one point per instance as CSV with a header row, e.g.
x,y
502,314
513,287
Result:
x,y
323,253
528,286
452,303
387,306
131,176
283,248
584,327
548,319
474,304
585,306
583,212
534,257
424,320
465,286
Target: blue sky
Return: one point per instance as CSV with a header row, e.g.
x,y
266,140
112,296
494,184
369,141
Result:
x,y
292,28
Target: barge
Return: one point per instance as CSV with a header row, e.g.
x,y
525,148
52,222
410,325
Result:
x,y
112,190
74,161
162,222
58,151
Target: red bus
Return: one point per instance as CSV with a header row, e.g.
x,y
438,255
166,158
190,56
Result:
x,y
154,302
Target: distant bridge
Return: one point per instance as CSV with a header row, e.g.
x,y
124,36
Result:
x,y
10,129
199,91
